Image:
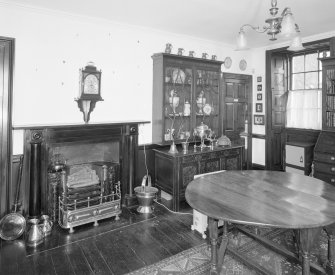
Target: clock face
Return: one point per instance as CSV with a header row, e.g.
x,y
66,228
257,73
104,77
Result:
x,y
91,85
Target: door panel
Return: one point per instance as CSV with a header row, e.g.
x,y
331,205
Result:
x,y
229,114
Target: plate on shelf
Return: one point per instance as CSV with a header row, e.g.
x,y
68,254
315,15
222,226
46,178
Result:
x,y
207,109
178,76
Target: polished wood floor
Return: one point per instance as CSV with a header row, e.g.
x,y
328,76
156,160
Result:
x,y
113,247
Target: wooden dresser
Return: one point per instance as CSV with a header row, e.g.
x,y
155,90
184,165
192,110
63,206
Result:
x,y
324,157
174,171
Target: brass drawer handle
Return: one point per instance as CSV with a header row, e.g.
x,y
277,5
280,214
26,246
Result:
x,y
332,158
332,180
332,169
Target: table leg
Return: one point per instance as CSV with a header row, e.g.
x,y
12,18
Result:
x,y
307,239
217,257
330,268
213,237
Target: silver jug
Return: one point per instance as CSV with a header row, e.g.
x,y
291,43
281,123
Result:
x,y
46,225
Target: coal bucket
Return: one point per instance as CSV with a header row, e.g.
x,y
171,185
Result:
x,y
145,195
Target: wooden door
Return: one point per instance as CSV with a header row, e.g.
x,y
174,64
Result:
x,y
237,91
6,68
276,96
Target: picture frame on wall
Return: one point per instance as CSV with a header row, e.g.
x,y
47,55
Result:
x,y
259,87
259,119
259,79
259,107
259,96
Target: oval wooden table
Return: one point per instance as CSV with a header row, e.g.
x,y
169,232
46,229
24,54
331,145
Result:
x,y
263,198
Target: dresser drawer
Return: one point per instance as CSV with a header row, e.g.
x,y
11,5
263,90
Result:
x,y
325,177
295,155
324,167
330,158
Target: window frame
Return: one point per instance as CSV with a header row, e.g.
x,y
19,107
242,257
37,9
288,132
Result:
x,y
320,52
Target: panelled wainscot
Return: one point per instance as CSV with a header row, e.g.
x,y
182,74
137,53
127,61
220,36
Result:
x,y
174,171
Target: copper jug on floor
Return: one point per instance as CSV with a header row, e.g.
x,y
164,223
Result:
x,y
145,195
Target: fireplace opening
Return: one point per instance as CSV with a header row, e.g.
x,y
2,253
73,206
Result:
x,y
83,183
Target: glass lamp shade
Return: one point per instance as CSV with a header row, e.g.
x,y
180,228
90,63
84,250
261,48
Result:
x,y
241,41
288,27
296,44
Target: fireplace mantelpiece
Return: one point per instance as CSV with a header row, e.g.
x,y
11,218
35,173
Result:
x,y
39,141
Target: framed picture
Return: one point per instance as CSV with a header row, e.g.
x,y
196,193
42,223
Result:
x,y
259,79
259,87
259,107
259,96
259,119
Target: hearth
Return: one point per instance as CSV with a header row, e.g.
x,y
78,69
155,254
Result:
x,y
93,150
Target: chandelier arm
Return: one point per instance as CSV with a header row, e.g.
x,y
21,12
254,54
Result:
x,y
257,29
285,11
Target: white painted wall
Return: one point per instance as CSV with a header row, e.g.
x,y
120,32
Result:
x,y
51,47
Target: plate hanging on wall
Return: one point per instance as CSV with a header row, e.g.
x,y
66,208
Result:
x,y
227,62
243,65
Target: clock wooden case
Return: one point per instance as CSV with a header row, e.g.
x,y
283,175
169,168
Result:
x,y
89,89
90,81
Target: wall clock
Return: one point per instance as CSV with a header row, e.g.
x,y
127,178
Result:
x,y
90,80
89,89
227,62
243,65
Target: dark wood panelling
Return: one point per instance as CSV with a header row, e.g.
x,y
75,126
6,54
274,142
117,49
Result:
x,y
301,135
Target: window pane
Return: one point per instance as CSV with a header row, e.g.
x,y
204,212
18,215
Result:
x,y
297,81
311,62
320,79
311,80
298,64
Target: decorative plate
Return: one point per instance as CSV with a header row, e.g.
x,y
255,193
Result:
x,y
243,65
178,76
227,62
207,109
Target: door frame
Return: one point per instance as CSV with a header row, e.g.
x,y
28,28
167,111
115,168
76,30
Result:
x,y
249,83
6,125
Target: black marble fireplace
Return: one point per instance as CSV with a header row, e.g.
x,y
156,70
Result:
x,y
78,143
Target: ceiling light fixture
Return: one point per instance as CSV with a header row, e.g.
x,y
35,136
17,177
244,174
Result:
x,y
283,24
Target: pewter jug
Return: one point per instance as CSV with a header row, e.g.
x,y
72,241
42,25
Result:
x,y
46,225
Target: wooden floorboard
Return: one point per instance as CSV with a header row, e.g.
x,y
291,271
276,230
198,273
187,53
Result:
x,y
114,247
78,260
61,261
43,264
112,255
95,260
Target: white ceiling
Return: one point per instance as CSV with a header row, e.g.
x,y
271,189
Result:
x,y
218,20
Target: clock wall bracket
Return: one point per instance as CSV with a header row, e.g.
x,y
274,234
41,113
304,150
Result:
x,y
89,90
